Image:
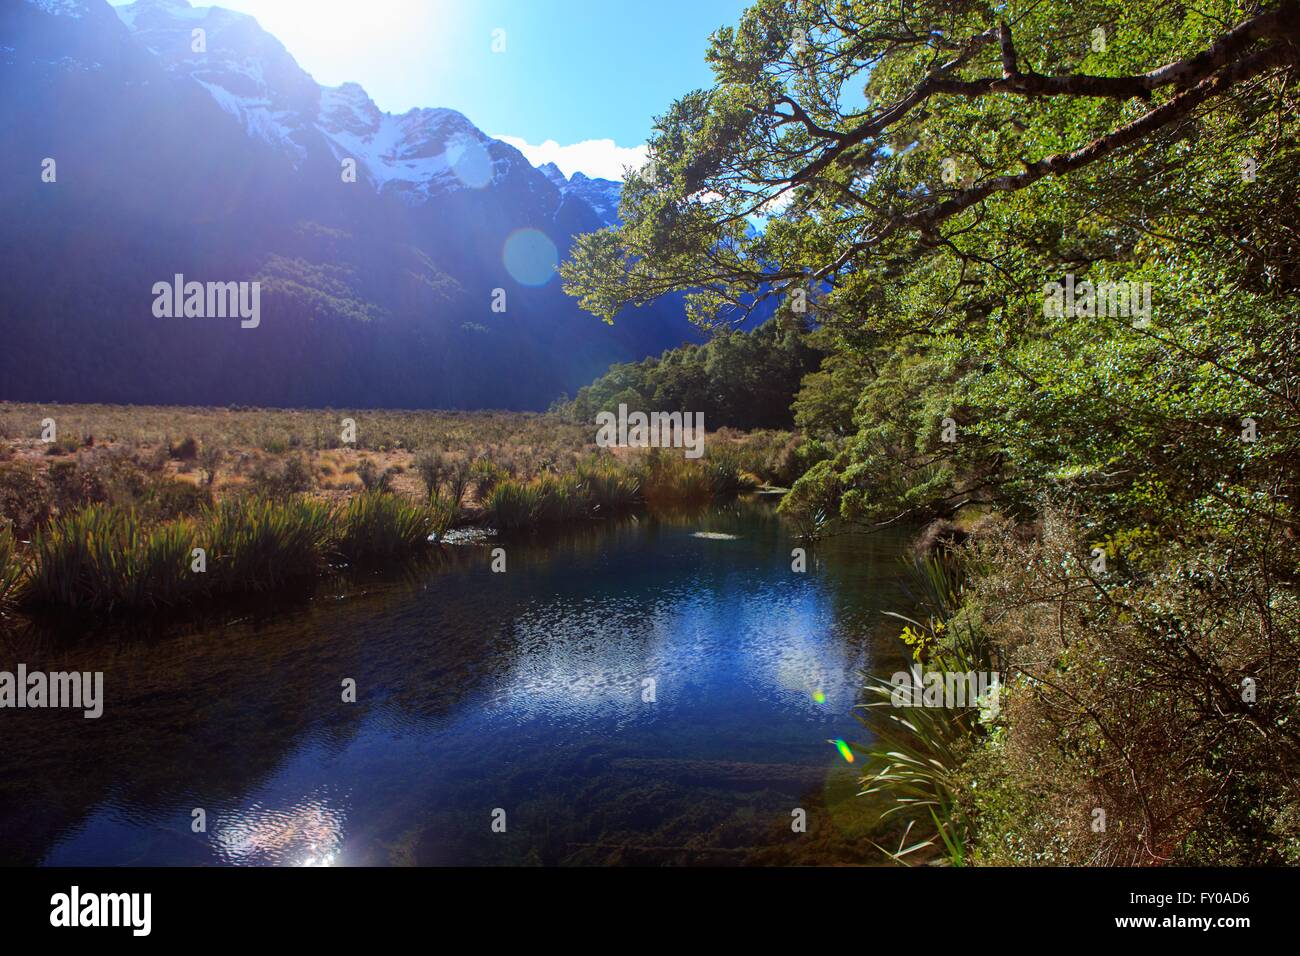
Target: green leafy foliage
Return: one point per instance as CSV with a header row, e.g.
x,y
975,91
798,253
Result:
x,y
924,173
741,380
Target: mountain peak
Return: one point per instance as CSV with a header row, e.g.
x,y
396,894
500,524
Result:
x,y
554,174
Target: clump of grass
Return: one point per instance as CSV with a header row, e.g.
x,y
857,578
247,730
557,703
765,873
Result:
x,y
102,557
726,476
11,567
141,567
375,526
512,506
444,513
609,488
458,481
671,479
62,553
917,758
560,498
256,543
63,446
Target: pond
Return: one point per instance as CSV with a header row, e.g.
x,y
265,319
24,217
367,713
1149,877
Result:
x,y
658,690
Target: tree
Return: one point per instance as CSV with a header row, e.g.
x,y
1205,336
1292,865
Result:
x,y
931,177
920,172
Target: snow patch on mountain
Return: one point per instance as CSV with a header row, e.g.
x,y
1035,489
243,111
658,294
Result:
x,y
247,71
425,151
602,195
554,174
76,9
417,155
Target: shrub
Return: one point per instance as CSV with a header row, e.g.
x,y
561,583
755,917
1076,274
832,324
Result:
x,y
372,479
26,498
485,475
210,459
73,486
1132,690
431,466
187,450
168,500
269,480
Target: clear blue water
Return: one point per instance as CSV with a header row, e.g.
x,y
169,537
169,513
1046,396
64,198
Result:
x,y
523,692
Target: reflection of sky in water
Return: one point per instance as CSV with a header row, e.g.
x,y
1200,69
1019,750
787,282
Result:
x,y
307,834
525,693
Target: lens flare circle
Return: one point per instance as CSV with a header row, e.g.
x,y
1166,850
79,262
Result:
x,y
530,257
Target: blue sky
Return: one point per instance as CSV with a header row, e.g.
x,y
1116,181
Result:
x,y
573,72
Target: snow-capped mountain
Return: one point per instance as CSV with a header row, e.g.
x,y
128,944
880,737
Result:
x,y
189,140
251,76
602,195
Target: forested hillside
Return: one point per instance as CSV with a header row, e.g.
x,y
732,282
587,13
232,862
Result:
x,y
737,379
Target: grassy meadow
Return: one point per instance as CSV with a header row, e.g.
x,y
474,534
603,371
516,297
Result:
x,y
105,510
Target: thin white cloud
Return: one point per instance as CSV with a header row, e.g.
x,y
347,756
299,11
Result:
x,y
597,158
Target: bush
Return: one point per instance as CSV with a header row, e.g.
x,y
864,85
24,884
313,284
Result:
x,y
485,475
187,450
372,479
176,499
431,467
26,498
269,480
73,486
1133,690
210,459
